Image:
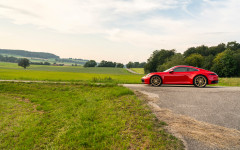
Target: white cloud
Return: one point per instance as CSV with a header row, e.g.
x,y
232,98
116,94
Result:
x,y
137,22
74,16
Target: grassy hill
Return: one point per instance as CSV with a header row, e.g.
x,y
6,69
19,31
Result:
x,y
41,57
24,53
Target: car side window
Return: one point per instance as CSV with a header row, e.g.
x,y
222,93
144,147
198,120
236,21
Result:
x,y
180,69
191,69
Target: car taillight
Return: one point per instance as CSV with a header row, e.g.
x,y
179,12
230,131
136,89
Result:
x,y
213,74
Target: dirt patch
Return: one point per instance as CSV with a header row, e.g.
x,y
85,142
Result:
x,y
212,135
23,99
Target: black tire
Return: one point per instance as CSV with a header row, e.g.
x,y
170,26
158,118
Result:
x,y
200,81
156,81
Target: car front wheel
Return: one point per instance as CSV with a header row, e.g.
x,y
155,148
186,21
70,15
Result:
x,y
200,81
156,81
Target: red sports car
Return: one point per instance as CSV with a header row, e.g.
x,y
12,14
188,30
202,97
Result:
x,y
182,75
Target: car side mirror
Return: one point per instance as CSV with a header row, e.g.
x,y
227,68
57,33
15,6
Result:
x,y
171,71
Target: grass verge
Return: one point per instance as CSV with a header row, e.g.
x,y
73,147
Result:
x,y
229,82
77,116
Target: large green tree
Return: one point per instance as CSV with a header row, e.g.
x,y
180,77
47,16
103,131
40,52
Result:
x,y
157,58
194,60
24,62
225,65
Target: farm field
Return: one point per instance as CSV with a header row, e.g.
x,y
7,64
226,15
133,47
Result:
x,y
78,116
79,69
10,71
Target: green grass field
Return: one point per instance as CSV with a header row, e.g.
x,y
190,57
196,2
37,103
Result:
x,y
77,116
10,71
138,70
229,82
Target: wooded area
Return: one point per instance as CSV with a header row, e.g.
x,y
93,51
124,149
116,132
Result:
x,y
224,59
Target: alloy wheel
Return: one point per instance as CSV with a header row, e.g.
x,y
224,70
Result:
x,y
200,81
156,81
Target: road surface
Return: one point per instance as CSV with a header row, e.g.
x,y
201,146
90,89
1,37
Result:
x,y
218,106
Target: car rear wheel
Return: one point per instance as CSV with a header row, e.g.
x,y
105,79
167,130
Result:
x,y
156,81
200,81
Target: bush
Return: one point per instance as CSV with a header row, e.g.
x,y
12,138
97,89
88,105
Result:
x,y
90,63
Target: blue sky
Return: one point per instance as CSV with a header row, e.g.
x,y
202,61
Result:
x,y
116,30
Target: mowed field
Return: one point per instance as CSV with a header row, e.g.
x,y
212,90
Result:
x,y
138,70
10,71
78,116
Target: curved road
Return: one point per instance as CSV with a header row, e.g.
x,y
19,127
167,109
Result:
x,y
214,105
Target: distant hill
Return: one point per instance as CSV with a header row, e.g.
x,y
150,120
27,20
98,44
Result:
x,y
25,53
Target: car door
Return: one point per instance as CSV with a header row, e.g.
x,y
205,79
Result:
x,y
180,75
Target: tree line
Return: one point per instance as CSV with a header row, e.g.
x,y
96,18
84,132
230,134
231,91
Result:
x,y
135,64
223,59
71,60
16,60
103,63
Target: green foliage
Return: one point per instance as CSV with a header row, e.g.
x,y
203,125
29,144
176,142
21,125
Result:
x,y
71,60
225,65
204,50
194,60
77,116
120,65
214,50
90,63
24,53
40,63
104,63
8,59
234,46
24,63
175,60
135,65
236,56
208,62
157,58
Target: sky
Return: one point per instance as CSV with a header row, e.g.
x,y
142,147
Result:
x,y
116,30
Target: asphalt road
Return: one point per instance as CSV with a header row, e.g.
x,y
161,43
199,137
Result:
x,y
215,105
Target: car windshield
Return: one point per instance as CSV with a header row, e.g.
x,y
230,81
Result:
x,y
168,69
